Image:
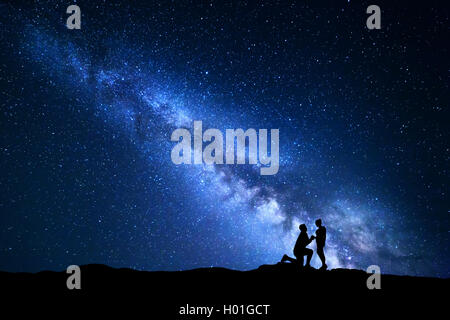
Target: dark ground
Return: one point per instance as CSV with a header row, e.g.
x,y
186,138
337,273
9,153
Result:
x,y
291,293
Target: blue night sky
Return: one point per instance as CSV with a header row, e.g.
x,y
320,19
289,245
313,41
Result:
x,y
86,118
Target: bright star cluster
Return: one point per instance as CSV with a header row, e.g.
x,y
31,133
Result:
x,y
87,116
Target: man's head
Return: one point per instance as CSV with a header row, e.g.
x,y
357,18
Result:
x,y
318,222
303,228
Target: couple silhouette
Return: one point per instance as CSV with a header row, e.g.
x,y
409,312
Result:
x,y
300,249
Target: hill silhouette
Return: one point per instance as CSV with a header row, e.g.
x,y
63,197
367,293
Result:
x,y
287,289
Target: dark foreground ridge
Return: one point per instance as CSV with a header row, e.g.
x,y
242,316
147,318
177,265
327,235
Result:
x,y
287,289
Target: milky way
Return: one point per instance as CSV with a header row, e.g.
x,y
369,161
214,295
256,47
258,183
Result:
x,y
88,116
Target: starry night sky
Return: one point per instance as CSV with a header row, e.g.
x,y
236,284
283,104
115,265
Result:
x,y
86,118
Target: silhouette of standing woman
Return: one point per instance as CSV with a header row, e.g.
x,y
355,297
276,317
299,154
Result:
x,y
300,249
321,237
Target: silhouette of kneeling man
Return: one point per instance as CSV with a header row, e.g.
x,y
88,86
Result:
x,y
300,249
